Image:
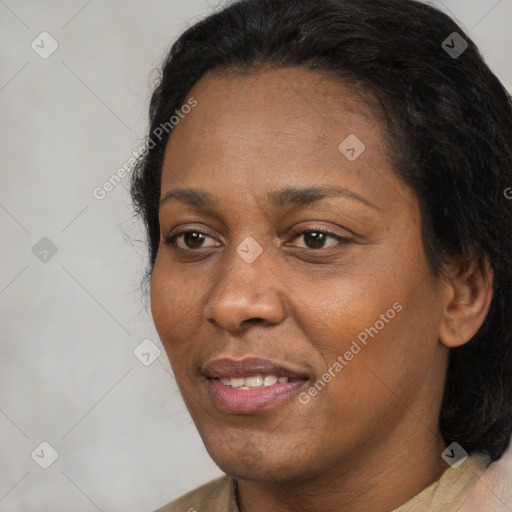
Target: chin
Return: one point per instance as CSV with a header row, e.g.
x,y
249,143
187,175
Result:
x,y
247,457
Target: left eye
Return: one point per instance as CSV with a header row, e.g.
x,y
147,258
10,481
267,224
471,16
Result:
x,y
318,238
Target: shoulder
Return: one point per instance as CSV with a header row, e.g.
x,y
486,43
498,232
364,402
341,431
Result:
x,y
452,489
215,496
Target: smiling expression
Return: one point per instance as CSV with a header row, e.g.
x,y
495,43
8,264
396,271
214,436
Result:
x,y
339,243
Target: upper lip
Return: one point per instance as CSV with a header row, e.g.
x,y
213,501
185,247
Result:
x,y
226,368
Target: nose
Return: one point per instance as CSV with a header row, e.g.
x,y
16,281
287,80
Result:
x,y
246,294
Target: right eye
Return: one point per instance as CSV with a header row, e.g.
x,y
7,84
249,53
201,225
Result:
x,y
191,239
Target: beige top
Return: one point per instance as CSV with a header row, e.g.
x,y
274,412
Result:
x,y
446,495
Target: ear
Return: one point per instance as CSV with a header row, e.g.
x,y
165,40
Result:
x,y
468,298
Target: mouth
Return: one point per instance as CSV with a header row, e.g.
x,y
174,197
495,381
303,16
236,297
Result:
x,y
251,385
253,381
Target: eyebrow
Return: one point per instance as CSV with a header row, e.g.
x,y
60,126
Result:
x,y
279,199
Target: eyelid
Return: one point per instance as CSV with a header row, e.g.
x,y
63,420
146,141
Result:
x,y
340,238
171,238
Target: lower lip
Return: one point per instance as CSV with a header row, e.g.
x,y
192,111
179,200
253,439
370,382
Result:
x,y
250,400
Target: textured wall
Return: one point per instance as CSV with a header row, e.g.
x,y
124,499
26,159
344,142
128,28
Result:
x,y
71,309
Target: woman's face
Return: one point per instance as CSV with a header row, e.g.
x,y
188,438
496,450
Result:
x,y
348,321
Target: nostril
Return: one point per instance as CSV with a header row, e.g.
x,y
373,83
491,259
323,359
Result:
x,y
252,321
255,320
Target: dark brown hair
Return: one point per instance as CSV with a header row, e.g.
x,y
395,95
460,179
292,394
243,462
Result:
x,y
449,129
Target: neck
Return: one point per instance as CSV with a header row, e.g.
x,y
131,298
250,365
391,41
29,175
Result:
x,y
379,481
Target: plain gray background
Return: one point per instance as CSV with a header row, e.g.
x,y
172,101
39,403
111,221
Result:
x,y
70,321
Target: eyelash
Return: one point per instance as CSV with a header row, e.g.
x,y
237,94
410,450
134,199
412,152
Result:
x,y
171,239
297,233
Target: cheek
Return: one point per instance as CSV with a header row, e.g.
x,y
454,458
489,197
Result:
x,y
376,381
170,305
384,325
161,298
172,295
177,307
396,361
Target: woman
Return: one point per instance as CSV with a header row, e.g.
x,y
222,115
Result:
x,y
324,191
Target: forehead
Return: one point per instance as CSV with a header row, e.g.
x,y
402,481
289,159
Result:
x,y
275,127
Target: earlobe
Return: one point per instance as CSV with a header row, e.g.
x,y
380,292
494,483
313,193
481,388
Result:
x,y
469,294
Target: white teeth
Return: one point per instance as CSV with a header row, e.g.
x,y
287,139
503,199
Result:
x,y
269,380
237,383
254,381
